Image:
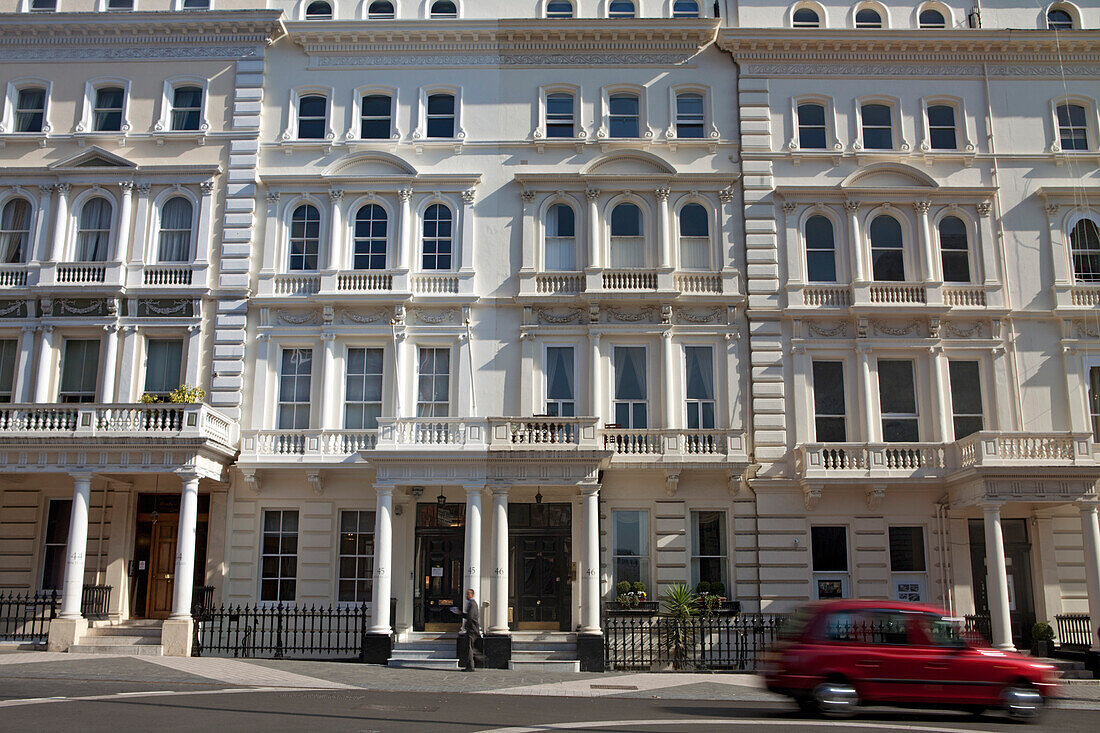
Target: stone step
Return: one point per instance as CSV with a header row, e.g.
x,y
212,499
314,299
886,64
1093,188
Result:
x,y
116,641
99,632
425,645
542,646
542,655
401,662
552,637
142,650
423,654
544,665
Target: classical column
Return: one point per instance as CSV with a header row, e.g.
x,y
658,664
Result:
x,y
125,211
383,561
271,234
595,375
259,387
668,367
110,362
73,586
866,394
472,558
590,588
60,222
405,248
803,394
41,240
206,215
21,389
1090,534
466,245
498,589
330,388
334,255
185,547
664,236
937,363
43,368
527,257
997,578
595,252
859,270
149,252
929,267
194,354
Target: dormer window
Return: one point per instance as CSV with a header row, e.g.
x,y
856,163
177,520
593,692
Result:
x,y
381,10
806,18
932,19
868,18
1059,20
621,9
685,9
559,9
444,9
319,10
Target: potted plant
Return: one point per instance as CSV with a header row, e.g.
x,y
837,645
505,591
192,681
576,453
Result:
x,y
632,597
711,597
681,606
1042,640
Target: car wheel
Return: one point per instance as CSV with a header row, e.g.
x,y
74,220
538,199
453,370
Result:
x,y
835,698
1022,701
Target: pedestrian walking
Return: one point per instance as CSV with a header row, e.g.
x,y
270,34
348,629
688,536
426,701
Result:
x,y
471,627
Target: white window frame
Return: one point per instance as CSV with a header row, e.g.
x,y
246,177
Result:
x,y
367,15
420,134
421,213
297,556
98,379
693,532
304,6
103,7
452,374
1091,362
290,133
897,135
164,119
322,231
917,391
339,576
973,251
29,253
879,8
844,576
9,388
1075,217
647,572
1091,135
963,141
1073,11
153,255
909,257
44,544
983,387
11,99
840,255
546,374
648,228
25,7
920,577
710,130
845,371
822,19
544,211
544,10
833,144
947,13
349,235
648,401
75,210
606,11
91,87
713,224
344,382
541,129
279,402
714,366
179,6
426,11
355,131
644,130
146,338
701,10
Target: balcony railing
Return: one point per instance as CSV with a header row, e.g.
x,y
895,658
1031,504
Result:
x,y
553,283
964,296
827,296
435,284
364,281
13,276
1085,295
704,445
699,283
81,272
630,279
117,420
982,449
306,283
543,433
296,443
897,293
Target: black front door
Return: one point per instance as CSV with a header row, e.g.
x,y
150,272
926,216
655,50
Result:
x,y
540,570
1018,561
440,545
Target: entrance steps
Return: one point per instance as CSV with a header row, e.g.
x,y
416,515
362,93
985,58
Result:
x,y
425,651
549,651
136,637
1069,669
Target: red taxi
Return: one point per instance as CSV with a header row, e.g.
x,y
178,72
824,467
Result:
x,y
834,656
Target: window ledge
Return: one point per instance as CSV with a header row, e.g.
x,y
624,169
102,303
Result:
x,y
195,136
24,137
1062,157
290,145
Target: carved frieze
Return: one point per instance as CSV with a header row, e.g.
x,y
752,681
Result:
x,y
699,315
886,328
560,317
297,318
641,315
363,318
827,329
435,317
964,329
14,308
175,308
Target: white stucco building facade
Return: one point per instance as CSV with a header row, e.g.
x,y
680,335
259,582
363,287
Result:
x,y
535,304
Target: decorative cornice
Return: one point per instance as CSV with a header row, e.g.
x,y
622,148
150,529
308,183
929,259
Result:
x,y
122,32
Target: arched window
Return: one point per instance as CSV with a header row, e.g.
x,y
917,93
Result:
x,y
444,9
186,108
811,127
43,5
559,9
176,217
689,115
15,231
312,115
30,109
694,238
438,239
381,10
561,238
931,18
305,238
627,240
196,4
806,18
1072,127
623,119
1059,20
120,4
621,9
877,127
370,238
318,10
954,250
820,250
93,234
887,255
868,18
685,9
440,116
107,112
1084,242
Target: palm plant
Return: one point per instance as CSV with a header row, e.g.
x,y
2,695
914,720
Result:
x,y
681,606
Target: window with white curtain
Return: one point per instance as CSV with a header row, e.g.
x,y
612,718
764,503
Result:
x,y
627,240
79,371
433,390
363,389
295,378
630,543
163,361
631,393
15,231
700,387
176,217
560,381
94,230
8,351
107,112
30,110
561,238
694,238
186,108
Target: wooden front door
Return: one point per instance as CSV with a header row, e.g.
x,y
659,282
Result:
x,y
439,559
162,568
542,582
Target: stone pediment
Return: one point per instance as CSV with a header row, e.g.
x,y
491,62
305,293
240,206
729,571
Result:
x,y
94,157
889,175
370,165
634,163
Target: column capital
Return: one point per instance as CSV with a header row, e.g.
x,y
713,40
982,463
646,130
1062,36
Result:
x,y
383,489
527,196
111,328
335,195
188,476
499,491
405,194
726,195
272,197
589,489
991,506
662,193
143,189
328,336
469,196
207,187
473,489
922,207
127,187
984,207
46,189
1088,504
851,206
82,476
592,194
63,188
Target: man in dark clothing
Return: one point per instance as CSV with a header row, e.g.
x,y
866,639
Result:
x,y
471,626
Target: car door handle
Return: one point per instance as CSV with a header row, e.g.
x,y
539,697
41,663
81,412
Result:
x,y
937,666
867,664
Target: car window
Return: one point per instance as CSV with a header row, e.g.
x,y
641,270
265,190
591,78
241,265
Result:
x,y
941,631
889,627
847,626
794,625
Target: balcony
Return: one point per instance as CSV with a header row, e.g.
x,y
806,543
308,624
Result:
x,y
1077,295
168,275
294,446
104,425
342,283
630,280
903,295
982,450
705,446
13,276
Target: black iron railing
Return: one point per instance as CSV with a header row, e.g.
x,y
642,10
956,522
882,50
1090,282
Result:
x,y
202,598
95,601
281,631
1074,631
978,624
25,617
719,642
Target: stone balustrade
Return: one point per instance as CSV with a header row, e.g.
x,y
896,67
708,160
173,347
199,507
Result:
x,y
117,421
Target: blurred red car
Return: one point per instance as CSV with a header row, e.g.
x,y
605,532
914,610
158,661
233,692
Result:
x,y
834,656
